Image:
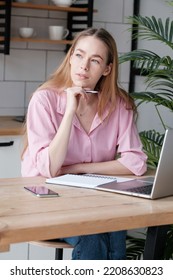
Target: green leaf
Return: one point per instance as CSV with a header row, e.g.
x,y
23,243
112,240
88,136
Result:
x,y
150,28
158,72
134,247
160,99
152,143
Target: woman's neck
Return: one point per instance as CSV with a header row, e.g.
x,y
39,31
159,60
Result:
x,y
88,105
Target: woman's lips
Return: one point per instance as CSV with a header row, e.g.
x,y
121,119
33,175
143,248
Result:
x,y
82,76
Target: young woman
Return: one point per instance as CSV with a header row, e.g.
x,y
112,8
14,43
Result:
x,y
71,130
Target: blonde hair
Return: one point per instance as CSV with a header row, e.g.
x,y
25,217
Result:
x,y
107,86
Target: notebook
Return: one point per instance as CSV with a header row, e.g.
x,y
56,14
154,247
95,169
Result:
x,y
150,187
85,180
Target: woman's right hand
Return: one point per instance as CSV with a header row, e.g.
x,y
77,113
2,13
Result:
x,y
74,94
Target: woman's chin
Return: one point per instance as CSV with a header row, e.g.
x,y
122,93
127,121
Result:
x,y
80,83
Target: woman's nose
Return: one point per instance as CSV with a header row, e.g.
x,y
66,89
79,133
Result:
x,y
85,65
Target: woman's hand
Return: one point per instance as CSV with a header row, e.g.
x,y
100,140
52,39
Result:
x,y
74,94
69,169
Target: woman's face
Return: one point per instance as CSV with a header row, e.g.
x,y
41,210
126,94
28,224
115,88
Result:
x,y
89,62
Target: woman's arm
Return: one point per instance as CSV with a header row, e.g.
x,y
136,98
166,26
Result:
x,y
58,146
113,167
47,138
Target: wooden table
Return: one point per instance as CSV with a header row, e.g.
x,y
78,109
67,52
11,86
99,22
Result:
x,y
24,217
9,126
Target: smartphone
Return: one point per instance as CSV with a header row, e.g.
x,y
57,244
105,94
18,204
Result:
x,y
41,191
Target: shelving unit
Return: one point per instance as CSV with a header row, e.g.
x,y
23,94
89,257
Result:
x,y
83,11
134,45
5,16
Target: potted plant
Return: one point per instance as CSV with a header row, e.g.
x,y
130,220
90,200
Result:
x,y
158,72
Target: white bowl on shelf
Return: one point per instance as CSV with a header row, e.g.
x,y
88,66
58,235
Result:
x,y
63,3
26,32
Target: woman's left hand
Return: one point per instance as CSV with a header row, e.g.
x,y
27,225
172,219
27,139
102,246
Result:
x,y
70,169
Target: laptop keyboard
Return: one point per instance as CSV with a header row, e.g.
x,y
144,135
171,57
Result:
x,y
142,190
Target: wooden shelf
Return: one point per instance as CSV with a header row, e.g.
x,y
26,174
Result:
x,y
37,40
48,7
40,40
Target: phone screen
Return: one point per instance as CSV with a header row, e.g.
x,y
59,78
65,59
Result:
x,y
41,191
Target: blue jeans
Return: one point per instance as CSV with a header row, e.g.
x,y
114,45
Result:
x,y
103,246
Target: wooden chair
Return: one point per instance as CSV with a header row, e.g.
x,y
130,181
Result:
x,y
53,243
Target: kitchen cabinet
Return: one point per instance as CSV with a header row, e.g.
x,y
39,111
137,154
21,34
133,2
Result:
x,y
17,252
78,16
5,16
45,253
10,147
27,251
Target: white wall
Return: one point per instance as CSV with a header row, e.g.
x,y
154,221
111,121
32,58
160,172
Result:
x,y
29,64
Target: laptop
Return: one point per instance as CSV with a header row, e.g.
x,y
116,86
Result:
x,y
161,185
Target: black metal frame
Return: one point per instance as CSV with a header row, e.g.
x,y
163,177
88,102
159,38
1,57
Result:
x,y
156,235
155,242
71,19
58,254
5,26
134,45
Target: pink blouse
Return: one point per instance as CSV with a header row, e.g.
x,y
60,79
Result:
x,y
107,137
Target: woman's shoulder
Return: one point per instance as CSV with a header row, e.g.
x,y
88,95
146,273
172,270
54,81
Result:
x,y
46,92
120,103
121,109
50,99
47,95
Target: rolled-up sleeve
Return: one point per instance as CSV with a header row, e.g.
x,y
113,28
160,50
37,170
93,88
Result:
x,y
129,145
41,131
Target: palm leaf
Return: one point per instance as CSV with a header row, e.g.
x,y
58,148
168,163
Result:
x,y
164,99
150,28
168,254
146,60
152,143
134,247
161,87
158,72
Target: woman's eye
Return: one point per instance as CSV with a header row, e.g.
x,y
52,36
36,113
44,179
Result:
x,y
78,55
95,61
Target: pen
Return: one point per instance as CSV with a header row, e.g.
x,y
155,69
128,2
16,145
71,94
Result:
x,y
91,91
87,91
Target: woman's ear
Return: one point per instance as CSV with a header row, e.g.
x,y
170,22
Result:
x,y
70,58
107,70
